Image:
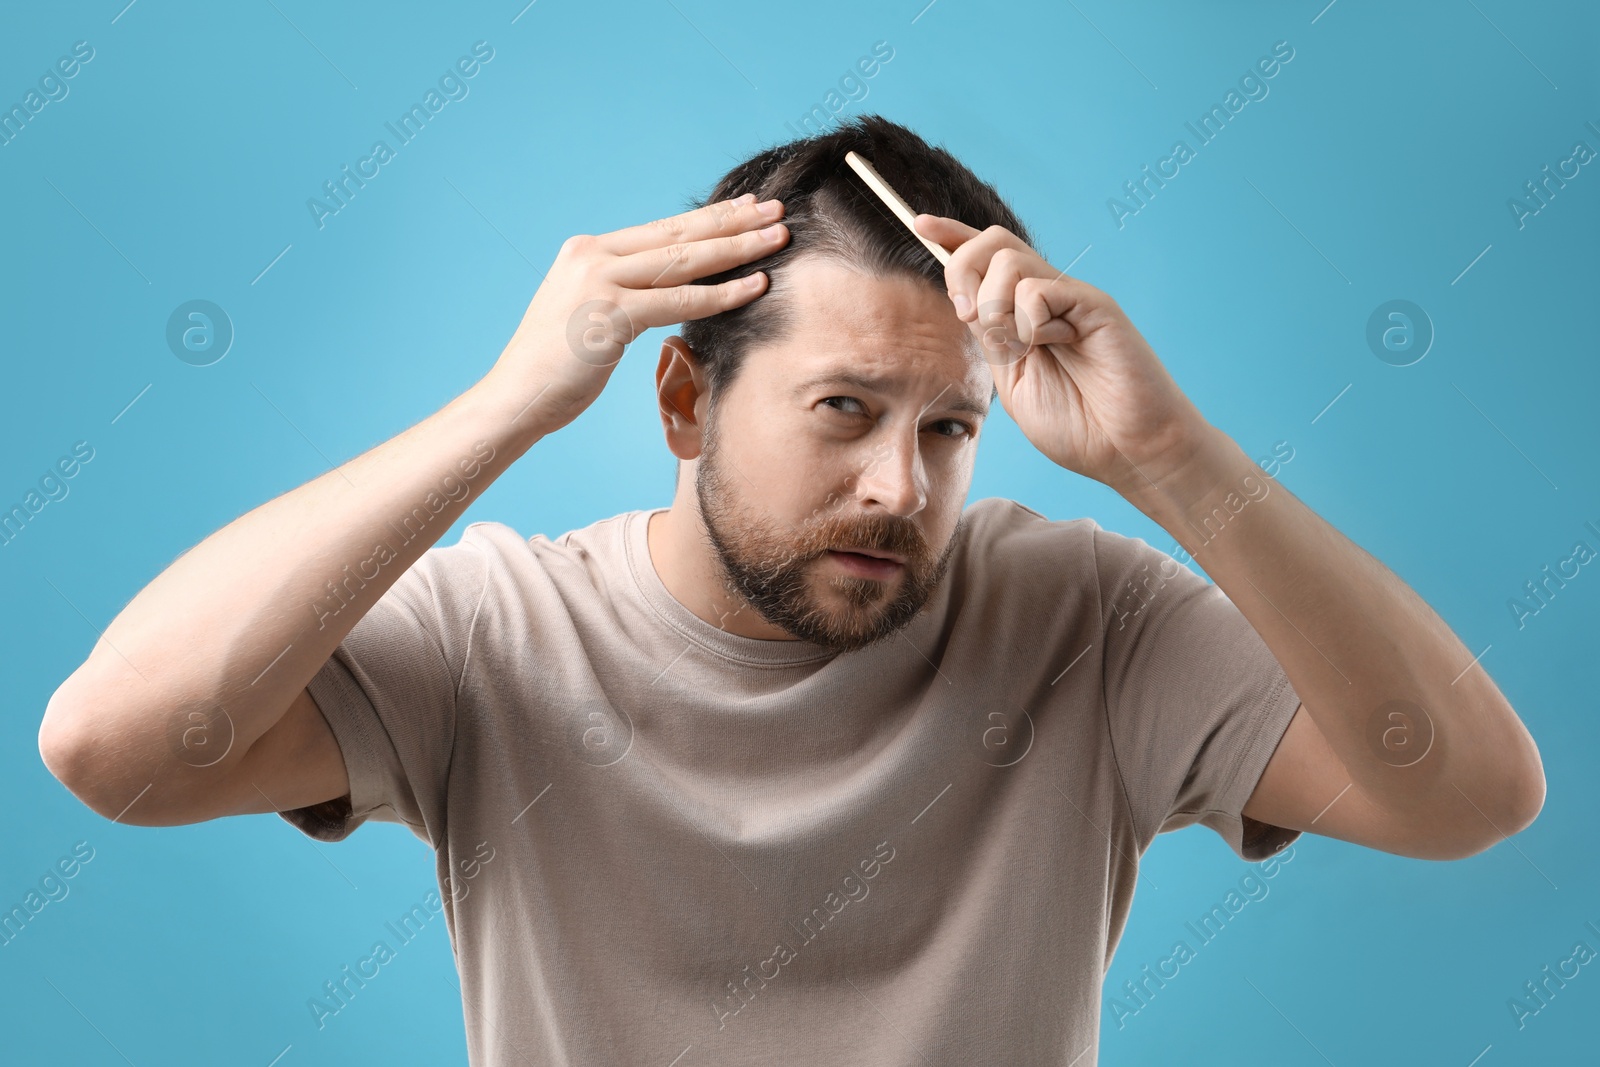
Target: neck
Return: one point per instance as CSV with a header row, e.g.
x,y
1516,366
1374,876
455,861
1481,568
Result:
x,y
681,552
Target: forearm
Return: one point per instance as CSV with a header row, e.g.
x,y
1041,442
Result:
x,y
1352,638
245,618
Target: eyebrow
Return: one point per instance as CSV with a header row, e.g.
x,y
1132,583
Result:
x,y
960,402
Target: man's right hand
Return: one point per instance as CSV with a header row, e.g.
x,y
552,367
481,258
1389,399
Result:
x,y
603,291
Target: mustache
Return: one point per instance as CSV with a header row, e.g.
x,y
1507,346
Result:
x,y
879,533
826,527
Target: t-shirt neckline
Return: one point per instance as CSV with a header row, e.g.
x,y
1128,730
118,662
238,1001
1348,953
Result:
x,y
753,651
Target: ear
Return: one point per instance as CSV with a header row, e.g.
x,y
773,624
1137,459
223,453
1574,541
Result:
x,y
681,397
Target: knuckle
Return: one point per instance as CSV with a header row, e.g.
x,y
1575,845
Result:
x,y
577,245
1008,257
670,228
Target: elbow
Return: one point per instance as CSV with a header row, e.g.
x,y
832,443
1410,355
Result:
x,y
62,750
65,755
71,754
1530,796
120,762
58,746
1525,796
1516,812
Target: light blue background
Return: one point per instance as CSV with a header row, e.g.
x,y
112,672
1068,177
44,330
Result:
x,y
1378,167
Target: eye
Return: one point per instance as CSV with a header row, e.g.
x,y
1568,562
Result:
x,y
846,399
961,428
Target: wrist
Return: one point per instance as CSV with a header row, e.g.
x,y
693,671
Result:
x,y
505,406
1203,475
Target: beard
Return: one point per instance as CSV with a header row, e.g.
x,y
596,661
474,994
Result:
x,y
767,564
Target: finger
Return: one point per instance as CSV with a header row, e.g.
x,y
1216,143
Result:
x,y
952,233
681,303
1079,305
719,219
1074,308
1012,278
997,289
969,263
994,317
683,262
1037,321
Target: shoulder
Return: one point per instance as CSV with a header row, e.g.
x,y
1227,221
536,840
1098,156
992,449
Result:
x,y
481,546
486,553
506,557
1009,540
507,543
494,538
1013,553
997,529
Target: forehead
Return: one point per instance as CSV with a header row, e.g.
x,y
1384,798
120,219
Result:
x,y
895,328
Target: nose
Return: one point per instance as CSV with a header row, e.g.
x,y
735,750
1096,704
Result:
x,y
894,477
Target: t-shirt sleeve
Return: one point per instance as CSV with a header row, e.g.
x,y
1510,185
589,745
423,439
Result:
x,y
389,694
1196,701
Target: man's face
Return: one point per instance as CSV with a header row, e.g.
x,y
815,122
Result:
x,y
798,463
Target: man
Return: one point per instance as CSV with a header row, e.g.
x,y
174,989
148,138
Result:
x,y
816,765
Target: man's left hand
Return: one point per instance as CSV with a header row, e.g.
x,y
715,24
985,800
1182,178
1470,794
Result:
x,y
1069,367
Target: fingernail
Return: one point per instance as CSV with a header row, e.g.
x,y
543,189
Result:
x,y
775,230
770,208
752,281
963,305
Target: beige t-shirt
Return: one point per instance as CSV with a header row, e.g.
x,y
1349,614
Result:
x,y
655,839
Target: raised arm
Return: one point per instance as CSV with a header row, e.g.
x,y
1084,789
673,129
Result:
x,y
193,704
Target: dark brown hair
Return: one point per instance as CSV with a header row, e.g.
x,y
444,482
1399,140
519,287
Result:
x,y
831,212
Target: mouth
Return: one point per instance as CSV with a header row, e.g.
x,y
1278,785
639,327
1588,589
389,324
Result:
x,y
866,564
870,553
